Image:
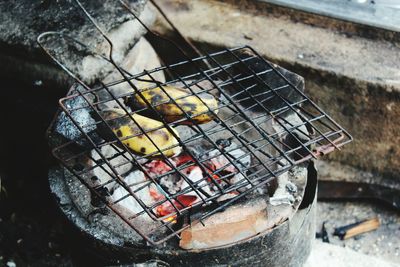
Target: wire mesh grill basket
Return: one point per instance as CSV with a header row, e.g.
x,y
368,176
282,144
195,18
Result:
x,y
195,143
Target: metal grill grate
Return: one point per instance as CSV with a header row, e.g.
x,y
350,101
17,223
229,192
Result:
x,y
263,126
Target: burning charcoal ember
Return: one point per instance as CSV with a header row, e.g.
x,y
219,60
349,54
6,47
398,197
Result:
x,y
150,193
239,156
213,163
175,183
166,209
141,135
171,183
182,160
157,167
195,175
220,164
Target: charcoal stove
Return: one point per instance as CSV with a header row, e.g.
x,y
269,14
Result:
x,y
224,192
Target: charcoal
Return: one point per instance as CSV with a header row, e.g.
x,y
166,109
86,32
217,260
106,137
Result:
x,y
256,87
134,180
116,157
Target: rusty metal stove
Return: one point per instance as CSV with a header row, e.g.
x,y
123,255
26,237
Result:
x,y
254,206
286,243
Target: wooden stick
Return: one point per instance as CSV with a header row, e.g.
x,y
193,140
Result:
x,y
362,227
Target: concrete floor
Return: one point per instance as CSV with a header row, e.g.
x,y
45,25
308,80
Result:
x,y
327,255
381,244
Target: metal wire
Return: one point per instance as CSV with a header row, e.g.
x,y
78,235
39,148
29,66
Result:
x,y
255,105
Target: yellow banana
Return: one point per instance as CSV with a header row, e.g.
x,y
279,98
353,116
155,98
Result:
x,y
198,110
124,127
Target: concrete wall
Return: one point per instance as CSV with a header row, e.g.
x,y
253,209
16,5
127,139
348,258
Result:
x,y
350,70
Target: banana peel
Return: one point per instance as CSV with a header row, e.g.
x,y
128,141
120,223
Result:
x,y
128,131
198,107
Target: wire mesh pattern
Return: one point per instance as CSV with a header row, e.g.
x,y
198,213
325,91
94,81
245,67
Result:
x,y
261,126
248,106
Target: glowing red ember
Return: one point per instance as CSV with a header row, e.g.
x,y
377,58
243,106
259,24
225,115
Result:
x,y
193,172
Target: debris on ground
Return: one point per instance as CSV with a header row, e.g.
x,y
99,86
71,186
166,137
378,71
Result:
x,y
357,228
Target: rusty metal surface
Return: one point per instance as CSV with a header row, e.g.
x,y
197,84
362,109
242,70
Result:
x,y
287,244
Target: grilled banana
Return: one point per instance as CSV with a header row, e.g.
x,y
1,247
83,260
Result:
x,y
124,127
198,110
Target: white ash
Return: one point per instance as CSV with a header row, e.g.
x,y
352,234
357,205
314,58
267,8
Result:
x,y
237,156
142,56
240,155
172,183
286,191
175,183
226,197
134,180
103,175
282,200
123,37
239,178
291,187
82,117
195,175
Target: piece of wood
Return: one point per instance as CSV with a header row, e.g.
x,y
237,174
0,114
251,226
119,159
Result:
x,y
365,226
347,231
